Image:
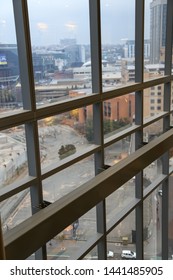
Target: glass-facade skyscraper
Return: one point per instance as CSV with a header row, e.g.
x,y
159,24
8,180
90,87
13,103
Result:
x,y
157,28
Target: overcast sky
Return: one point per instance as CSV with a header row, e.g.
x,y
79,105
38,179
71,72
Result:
x,y
52,20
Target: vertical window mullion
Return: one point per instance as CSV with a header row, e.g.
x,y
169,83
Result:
x,y
139,68
24,53
28,96
166,125
96,67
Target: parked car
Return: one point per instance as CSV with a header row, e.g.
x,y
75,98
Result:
x,y
128,254
110,254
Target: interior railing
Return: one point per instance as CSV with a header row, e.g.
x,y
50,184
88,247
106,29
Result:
x,y
26,238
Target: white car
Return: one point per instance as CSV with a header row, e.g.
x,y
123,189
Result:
x,y
110,254
128,254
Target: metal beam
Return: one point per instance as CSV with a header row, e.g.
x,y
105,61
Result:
x,y
139,77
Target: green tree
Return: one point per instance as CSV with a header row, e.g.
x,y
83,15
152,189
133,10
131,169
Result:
x,y
6,96
66,150
89,130
108,126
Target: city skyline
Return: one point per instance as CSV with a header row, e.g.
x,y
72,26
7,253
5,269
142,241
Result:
x,y
86,166
70,20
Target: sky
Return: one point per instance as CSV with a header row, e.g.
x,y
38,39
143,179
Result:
x,y
70,19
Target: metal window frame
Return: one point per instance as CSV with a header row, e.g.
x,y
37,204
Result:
x,y
44,223
93,193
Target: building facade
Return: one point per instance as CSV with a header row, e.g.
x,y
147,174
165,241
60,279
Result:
x,y
157,28
129,49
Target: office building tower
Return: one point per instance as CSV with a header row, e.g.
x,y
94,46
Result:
x,y
158,10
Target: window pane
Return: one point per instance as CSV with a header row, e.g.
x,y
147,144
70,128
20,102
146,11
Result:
x,y
72,238
152,172
92,255
153,101
118,151
147,45
60,184
121,240
10,89
13,161
15,210
120,199
118,114
64,135
155,30
152,226
60,46
118,43
152,131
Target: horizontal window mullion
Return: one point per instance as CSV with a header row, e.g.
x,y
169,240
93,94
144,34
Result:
x,y
65,106
154,119
14,119
118,217
120,135
88,246
16,187
123,90
160,179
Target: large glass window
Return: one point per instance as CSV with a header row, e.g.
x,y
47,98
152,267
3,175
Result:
x,y
121,240
13,163
85,128
15,210
118,43
153,225
72,238
155,39
66,134
10,88
59,185
60,48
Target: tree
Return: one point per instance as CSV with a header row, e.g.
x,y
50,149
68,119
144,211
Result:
x,y
89,130
108,126
66,150
6,96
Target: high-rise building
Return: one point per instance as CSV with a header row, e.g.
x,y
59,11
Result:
x,y
9,66
157,28
75,55
129,49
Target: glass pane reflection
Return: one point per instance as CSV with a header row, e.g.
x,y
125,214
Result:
x,y
72,238
121,240
152,226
